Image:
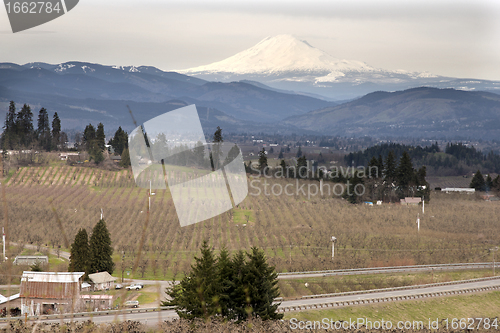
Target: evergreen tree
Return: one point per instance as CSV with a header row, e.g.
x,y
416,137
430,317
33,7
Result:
x,y
198,293
380,165
100,249
261,281
262,159
10,135
37,267
95,153
43,130
237,289
218,135
80,253
283,169
88,136
100,137
120,141
302,169
496,183
56,131
299,152
125,161
404,171
225,276
488,183
24,126
351,192
390,167
373,168
280,156
240,294
478,182
216,153
321,159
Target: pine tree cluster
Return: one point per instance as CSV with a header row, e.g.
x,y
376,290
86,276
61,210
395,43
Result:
x,y
94,142
19,132
94,255
237,288
479,183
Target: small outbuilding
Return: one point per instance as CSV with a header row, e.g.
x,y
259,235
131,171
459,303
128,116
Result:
x,y
101,281
31,260
458,190
411,201
97,302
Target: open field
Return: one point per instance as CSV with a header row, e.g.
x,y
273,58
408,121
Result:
x,y
294,231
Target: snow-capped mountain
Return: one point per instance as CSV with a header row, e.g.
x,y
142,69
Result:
x,y
285,62
282,54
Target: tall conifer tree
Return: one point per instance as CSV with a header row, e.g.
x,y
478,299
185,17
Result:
x,y
80,253
100,249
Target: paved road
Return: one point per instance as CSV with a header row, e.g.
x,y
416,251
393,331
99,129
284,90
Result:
x,y
62,254
386,270
154,318
406,292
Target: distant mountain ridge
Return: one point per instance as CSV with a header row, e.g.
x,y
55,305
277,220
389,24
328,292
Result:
x,y
85,93
417,112
81,91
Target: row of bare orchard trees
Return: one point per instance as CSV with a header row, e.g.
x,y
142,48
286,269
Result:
x,y
293,230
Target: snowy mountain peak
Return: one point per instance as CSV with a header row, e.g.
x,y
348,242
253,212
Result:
x,y
280,54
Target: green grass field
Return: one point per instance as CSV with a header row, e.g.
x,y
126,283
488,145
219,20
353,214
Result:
x,y
483,305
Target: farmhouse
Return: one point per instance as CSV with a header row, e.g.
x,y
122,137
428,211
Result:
x,y
50,292
66,156
101,281
116,158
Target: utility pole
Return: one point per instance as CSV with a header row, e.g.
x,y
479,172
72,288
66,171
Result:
x,y
495,249
149,196
3,240
418,222
334,239
123,264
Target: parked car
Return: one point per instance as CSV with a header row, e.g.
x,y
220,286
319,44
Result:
x,y
132,304
118,286
135,286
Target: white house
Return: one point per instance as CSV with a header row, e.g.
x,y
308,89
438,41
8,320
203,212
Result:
x,y
102,281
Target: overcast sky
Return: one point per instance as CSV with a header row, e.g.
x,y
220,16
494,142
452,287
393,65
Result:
x,y
451,38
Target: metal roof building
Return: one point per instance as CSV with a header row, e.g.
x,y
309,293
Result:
x,y
49,291
31,260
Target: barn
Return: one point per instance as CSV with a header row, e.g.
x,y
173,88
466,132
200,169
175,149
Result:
x,y
50,292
